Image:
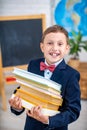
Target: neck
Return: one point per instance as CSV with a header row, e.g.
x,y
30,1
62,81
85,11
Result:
x,y
56,63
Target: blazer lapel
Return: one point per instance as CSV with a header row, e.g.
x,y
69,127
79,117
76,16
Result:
x,y
38,69
57,75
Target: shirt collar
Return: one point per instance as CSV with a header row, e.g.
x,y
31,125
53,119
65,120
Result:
x,y
57,63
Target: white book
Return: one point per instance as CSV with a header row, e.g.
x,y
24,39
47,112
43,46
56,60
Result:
x,y
37,79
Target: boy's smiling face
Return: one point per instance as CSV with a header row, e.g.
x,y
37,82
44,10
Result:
x,y
54,47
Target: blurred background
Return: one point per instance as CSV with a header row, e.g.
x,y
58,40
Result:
x,y
71,14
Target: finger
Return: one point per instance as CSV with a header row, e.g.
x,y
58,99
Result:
x,y
20,105
16,98
37,109
16,102
28,112
32,110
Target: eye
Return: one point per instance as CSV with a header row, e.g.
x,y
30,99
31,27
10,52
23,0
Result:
x,y
60,43
49,43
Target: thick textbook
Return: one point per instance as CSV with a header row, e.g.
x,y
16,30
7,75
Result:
x,y
37,90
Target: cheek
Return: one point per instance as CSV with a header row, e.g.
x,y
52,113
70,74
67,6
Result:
x,y
62,51
44,48
65,51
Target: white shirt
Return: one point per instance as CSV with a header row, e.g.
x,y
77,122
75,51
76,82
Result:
x,y
48,73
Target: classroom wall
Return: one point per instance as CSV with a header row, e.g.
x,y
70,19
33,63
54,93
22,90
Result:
x,y
29,7
25,7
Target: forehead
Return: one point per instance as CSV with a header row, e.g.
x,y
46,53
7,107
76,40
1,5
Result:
x,y
57,35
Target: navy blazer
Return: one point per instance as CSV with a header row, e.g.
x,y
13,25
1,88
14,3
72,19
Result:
x,y
70,91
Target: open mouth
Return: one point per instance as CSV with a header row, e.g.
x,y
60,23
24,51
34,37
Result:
x,y
54,54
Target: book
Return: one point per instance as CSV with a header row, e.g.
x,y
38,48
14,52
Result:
x,y
37,90
27,96
29,105
36,79
38,86
41,94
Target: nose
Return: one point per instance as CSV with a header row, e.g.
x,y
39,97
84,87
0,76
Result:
x,y
55,47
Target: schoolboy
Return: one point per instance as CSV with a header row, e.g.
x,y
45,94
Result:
x,y
55,46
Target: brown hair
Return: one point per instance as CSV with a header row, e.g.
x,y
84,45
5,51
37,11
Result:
x,y
55,29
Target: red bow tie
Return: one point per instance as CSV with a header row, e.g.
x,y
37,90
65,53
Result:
x,y
43,66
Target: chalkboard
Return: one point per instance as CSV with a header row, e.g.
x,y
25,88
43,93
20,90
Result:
x,y
20,40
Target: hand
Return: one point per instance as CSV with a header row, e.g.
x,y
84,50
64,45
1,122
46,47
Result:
x,y
16,103
36,113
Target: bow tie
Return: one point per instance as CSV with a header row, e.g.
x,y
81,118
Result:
x,y
43,66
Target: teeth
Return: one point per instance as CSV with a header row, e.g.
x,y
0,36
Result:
x,y
54,54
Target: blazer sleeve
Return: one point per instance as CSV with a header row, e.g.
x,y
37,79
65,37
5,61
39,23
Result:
x,y
71,104
16,112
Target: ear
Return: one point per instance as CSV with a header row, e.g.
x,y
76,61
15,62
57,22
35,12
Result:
x,y
42,46
67,49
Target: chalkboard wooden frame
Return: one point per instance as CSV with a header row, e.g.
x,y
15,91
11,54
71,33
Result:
x,y
24,18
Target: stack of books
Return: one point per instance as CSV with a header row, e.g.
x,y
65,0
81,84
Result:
x,y
37,90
